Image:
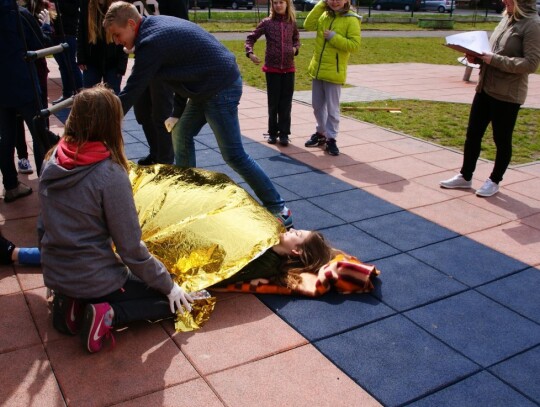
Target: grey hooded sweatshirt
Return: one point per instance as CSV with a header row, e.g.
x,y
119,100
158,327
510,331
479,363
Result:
x,y
84,212
515,44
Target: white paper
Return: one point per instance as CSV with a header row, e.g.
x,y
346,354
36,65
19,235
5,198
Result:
x,y
472,42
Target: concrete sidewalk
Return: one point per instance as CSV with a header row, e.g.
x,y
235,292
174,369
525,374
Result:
x,y
454,319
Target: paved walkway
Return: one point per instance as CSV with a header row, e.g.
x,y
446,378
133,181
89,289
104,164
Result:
x,y
454,319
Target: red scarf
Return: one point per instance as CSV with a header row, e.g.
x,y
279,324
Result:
x,y
90,152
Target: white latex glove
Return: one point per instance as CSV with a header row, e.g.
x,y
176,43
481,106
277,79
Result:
x,y
44,17
180,298
170,123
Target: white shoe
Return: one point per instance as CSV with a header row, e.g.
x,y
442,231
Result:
x,y
488,189
456,181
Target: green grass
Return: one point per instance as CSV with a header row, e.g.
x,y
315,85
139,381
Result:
x,y
445,124
441,123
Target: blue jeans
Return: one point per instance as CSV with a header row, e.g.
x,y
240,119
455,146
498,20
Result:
x,y
221,113
92,76
67,64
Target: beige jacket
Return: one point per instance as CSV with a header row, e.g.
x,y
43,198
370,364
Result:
x,y
516,48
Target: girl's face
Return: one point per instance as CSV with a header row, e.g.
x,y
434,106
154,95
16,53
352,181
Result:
x,y
292,239
336,5
280,6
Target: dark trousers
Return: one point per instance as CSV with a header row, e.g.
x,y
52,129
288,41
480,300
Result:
x,y
502,116
151,109
41,137
280,88
135,301
69,71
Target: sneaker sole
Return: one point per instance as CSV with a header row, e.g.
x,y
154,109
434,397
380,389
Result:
x,y
456,187
484,195
26,171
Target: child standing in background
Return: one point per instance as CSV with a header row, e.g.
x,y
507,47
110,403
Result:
x,y
98,57
338,34
282,45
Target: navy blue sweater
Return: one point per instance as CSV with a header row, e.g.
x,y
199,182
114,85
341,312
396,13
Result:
x,y
191,61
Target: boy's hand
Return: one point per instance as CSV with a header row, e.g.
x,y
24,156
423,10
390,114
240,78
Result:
x,y
170,123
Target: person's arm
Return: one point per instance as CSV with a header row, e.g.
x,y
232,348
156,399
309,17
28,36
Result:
x,y
531,54
296,39
147,64
252,39
350,42
312,20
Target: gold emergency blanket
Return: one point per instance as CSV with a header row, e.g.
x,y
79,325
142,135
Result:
x,y
201,225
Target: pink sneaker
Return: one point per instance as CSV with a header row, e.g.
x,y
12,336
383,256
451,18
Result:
x,y
94,329
67,314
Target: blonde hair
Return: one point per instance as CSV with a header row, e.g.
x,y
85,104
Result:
x,y
119,13
290,13
95,22
97,115
315,252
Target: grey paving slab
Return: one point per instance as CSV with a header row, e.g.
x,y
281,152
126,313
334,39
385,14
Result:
x,y
522,372
478,327
316,318
354,205
281,165
519,292
396,360
312,183
468,261
481,389
404,230
409,283
357,243
310,217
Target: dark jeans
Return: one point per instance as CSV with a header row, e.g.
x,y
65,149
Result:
x,y
502,116
153,107
69,71
41,137
20,139
280,87
136,302
92,76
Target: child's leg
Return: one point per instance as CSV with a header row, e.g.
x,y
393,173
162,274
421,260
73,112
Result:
x,y
273,87
285,103
318,101
135,301
332,93
20,141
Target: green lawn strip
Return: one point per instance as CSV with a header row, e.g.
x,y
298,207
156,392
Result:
x,y
446,123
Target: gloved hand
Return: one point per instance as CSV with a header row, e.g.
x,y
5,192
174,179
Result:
x,y
170,123
44,17
180,298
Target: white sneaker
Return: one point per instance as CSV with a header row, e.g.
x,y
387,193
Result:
x,y
456,181
488,189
